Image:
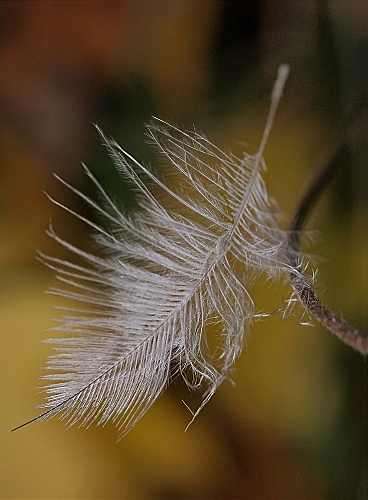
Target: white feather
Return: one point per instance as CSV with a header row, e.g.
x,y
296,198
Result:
x,y
162,277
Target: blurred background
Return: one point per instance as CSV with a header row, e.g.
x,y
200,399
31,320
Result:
x,y
295,424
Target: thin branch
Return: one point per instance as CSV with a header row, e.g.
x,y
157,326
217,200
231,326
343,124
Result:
x,y
345,332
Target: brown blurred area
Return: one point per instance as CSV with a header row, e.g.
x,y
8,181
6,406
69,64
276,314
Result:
x,y
294,426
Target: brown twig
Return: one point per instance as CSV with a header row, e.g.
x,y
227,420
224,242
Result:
x,y
302,287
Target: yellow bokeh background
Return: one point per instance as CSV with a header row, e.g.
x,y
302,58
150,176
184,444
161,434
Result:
x,y
294,424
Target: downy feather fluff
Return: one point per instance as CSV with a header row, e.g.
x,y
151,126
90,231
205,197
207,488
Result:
x,y
162,277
